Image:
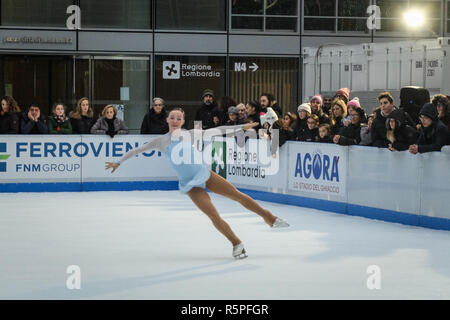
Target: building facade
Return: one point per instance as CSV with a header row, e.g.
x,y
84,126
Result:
x,y
127,52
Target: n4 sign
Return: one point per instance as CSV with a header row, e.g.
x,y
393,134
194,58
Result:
x,y
242,67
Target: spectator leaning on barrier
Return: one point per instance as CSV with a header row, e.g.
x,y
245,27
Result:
x,y
303,112
379,123
442,103
242,112
206,111
108,123
351,134
82,118
58,122
316,108
267,100
9,116
233,115
433,133
325,134
253,110
154,121
290,120
311,132
32,122
399,135
366,131
338,114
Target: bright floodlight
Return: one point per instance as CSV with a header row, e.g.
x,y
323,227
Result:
x,y
414,19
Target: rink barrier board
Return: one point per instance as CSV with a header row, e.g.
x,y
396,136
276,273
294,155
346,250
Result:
x,y
353,210
369,192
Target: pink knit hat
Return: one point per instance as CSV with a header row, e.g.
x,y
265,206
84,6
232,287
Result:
x,y
317,97
354,103
345,92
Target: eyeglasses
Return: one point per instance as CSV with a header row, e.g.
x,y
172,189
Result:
x,y
354,115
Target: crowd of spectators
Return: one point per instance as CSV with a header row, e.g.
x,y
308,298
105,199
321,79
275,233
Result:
x,y
337,119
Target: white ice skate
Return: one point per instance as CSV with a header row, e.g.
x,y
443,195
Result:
x,y
239,251
280,223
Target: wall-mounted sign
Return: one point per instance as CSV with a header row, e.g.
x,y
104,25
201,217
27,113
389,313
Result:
x,y
37,40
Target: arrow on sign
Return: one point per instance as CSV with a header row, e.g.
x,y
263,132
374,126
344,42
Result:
x,y
253,67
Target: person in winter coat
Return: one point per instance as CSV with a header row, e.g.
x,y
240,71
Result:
x,y
253,110
267,100
233,115
366,131
207,110
312,131
9,116
433,133
108,123
154,121
290,120
316,108
379,123
221,111
442,103
58,122
343,94
399,134
303,112
338,114
32,122
325,134
82,118
351,134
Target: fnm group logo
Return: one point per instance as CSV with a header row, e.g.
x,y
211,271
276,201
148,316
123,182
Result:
x,y
3,157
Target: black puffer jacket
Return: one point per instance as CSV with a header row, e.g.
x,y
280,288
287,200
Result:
x,y
82,125
9,122
434,137
403,135
205,114
155,123
350,135
379,126
28,126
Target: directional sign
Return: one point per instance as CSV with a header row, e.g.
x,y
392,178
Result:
x,y
242,67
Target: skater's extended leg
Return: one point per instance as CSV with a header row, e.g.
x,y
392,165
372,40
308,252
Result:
x,y
219,185
202,200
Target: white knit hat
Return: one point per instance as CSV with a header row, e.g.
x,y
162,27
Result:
x,y
305,106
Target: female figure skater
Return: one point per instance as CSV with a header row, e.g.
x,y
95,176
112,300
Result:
x,y
193,178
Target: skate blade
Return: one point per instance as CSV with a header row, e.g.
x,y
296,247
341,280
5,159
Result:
x,y
241,256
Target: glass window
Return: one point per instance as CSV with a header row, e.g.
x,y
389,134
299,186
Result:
x,y
392,12
190,15
116,14
251,76
180,81
350,15
36,79
35,13
264,15
125,84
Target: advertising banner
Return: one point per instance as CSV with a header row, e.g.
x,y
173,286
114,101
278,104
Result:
x,y
317,168
74,158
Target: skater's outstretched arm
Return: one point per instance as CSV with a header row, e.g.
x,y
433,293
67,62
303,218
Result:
x,y
158,143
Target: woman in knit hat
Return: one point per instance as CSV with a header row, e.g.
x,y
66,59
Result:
x,y
442,103
343,94
316,108
304,112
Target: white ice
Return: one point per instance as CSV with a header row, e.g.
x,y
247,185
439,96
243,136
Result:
x,y
158,245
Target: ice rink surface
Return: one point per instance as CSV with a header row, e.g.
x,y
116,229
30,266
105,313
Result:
x,y
158,245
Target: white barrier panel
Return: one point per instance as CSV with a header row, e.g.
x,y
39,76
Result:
x,y
147,166
379,178
251,166
317,170
73,158
40,159
435,185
